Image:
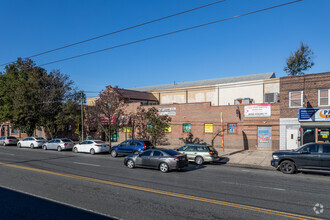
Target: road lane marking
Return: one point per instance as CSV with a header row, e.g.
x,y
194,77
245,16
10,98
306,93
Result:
x,y
87,164
162,192
242,184
8,154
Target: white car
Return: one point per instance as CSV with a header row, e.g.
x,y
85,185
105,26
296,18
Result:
x,y
92,147
58,144
31,142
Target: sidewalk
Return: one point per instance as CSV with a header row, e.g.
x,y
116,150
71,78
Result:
x,y
248,158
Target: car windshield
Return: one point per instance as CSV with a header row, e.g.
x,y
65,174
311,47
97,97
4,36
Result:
x,y
11,138
171,152
40,138
66,140
99,142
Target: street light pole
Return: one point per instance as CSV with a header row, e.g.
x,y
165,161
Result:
x,y
82,117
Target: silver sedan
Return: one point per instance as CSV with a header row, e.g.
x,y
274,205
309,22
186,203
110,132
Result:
x,y
58,144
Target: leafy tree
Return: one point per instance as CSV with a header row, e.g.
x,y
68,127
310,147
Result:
x,y
105,113
299,61
31,98
150,124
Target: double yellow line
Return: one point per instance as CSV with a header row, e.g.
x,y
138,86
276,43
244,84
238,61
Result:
x,y
177,195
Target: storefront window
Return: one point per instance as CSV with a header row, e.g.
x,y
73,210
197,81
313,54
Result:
x,y
323,135
308,135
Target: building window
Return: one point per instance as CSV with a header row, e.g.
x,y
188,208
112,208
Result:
x,y
168,129
232,128
208,128
186,128
324,97
296,99
14,131
127,129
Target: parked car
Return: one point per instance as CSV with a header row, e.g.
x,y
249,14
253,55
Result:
x,y
199,153
8,140
162,159
92,147
58,144
131,147
31,142
310,157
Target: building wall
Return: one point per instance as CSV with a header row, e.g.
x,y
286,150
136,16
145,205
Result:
x,y
231,91
199,114
309,84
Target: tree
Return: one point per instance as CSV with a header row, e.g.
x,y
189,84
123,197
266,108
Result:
x,y
106,111
31,98
299,61
150,124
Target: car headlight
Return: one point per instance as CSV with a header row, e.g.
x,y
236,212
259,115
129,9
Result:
x,y
275,157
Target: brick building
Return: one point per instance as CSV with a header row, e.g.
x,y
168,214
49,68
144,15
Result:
x,y
305,109
242,129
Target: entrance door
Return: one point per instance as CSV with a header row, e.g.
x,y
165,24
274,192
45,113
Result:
x,y
264,137
291,139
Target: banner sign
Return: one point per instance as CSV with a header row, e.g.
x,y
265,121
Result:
x,y
167,111
263,110
314,114
208,128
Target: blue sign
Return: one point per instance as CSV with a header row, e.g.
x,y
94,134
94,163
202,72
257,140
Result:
x,y
307,113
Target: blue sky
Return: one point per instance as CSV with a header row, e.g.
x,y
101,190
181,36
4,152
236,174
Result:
x,y
253,44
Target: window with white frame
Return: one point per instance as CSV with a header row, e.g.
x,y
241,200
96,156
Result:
x,y
296,99
324,97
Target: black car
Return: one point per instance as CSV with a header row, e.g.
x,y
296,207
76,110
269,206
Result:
x,y
162,159
310,157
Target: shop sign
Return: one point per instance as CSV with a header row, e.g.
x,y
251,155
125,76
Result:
x,y
263,110
314,114
167,111
208,128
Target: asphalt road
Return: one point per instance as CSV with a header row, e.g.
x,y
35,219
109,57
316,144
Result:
x,y
38,184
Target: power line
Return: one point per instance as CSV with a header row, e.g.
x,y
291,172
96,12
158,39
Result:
x,y
170,33
121,30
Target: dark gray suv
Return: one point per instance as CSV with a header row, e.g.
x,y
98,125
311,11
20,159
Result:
x,y
310,157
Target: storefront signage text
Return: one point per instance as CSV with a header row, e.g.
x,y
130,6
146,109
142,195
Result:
x,y
314,114
263,110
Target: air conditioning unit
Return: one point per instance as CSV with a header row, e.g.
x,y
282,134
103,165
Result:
x,y
271,97
239,101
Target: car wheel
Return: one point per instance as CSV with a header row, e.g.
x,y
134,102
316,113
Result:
x,y
75,150
163,167
59,148
19,145
130,164
44,147
136,152
4,144
114,153
199,160
92,151
31,146
288,167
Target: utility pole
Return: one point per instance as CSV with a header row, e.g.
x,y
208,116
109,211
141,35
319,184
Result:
x,y
82,116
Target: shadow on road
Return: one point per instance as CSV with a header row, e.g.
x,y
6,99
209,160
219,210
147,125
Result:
x,y
16,205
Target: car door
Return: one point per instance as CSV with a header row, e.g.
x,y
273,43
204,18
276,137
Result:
x,y
131,147
143,159
50,144
309,157
122,148
26,142
81,147
2,140
89,145
155,158
191,152
57,143
325,156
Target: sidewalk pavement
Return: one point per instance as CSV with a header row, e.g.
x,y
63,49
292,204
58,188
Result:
x,y
246,158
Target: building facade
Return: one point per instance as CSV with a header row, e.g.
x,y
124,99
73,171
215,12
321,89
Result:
x,y
305,110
